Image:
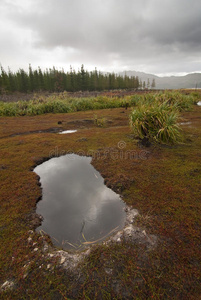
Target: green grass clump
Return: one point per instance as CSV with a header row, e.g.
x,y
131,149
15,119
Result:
x,y
156,116
176,100
158,123
99,122
135,99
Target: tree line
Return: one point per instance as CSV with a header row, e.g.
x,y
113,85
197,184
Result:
x,y
53,80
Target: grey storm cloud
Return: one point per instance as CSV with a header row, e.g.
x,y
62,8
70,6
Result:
x,y
150,34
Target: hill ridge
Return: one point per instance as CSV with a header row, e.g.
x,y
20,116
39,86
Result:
x,y
191,80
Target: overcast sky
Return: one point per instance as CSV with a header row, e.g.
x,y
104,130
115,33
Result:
x,y
161,37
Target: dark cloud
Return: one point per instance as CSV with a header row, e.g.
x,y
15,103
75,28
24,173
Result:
x,y
149,35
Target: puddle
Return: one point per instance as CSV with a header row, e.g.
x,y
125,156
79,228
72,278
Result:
x,y
67,131
185,123
78,209
199,103
49,130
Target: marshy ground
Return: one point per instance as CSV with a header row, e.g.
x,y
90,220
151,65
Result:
x,y
162,182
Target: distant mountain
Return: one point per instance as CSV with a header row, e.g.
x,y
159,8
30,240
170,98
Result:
x,y
169,82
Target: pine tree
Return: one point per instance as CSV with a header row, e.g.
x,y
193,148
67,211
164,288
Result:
x,y
137,82
95,80
41,80
31,79
83,79
22,81
140,84
4,81
12,81
153,84
53,80
148,83
36,80
72,80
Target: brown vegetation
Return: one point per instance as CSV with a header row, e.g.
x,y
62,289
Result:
x,y
162,182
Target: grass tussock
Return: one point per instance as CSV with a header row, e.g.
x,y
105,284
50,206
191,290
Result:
x,y
157,123
157,116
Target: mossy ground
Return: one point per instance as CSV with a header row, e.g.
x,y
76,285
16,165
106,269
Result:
x,y
162,182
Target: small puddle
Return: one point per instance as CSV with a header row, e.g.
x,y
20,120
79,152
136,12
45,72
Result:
x,y
78,209
67,131
186,123
199,103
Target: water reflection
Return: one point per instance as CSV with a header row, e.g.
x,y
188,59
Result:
x,y
76,205
67,131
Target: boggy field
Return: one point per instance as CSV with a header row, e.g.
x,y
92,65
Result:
x,y
162,182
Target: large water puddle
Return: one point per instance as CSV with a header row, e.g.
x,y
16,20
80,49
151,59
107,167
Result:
x,y
78,209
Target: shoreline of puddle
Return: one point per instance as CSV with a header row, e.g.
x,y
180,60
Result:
x,y
97,199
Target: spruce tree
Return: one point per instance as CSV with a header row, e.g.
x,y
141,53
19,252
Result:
x,y
4,81
148,83
153,84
